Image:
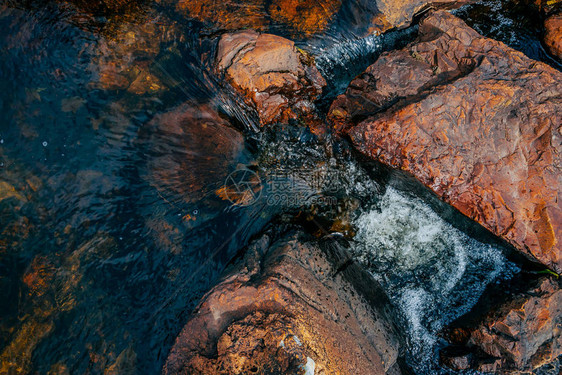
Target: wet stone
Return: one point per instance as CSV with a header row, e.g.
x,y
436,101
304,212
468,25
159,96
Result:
x,y
473,120
279,80
553,35
283,308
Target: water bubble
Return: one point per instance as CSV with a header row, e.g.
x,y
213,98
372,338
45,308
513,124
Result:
x,y
1,141
44,143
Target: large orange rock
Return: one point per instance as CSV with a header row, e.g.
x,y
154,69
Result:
x,y
553,34
290,306
475,121
275,77
519,335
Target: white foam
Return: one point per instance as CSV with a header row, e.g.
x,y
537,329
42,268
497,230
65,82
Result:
x,y
433,272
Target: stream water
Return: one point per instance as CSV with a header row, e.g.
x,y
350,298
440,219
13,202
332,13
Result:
x,y
111,225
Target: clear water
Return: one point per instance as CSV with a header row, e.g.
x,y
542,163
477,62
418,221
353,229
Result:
x,y
111,225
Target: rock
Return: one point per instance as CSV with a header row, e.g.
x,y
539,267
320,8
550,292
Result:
x,y
9,191
276,78
192,151
400,13
456,361
126,57
473,120
553,35
549,7
304,16
104,7
227,15
291,305
364,17
125,363
520,335
300,17
16,357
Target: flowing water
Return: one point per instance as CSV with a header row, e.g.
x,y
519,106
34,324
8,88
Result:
x,y
434,271
111,218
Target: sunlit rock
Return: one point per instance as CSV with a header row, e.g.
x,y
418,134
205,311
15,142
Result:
x,y
278,79
289,306
475,121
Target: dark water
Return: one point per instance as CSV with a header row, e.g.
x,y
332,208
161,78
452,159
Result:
x,y
112,224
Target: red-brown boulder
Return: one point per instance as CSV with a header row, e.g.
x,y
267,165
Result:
x,y
279,80
553,35
473,120
290,306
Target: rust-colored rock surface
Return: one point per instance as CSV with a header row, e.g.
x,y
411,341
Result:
x,y
553,35
305,16
399,13
290,306
475,121
279,80
520,335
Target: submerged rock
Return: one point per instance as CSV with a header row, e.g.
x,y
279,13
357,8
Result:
x,y
193,150
301,16
278,79
553,35
227,15
475,121
306,16
520,335
125,58
291,305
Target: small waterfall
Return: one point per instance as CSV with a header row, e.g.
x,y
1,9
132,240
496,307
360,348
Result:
x,y
344,60
432,272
